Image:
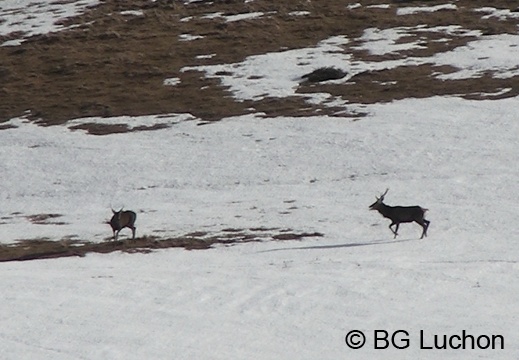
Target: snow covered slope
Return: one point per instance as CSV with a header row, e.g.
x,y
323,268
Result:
x,y
269,300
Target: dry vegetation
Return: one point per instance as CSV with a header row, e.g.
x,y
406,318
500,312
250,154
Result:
x,y
49,249
113,64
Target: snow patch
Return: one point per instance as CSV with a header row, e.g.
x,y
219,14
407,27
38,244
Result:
x,y
28,18
419,9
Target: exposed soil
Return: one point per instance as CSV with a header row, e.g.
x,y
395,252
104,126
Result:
x,y
113,64
49,249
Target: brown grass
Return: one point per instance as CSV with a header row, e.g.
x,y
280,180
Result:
x,y
114,64
45,219
49,249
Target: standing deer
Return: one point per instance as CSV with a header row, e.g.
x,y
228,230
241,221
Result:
x,y
122,219
401,214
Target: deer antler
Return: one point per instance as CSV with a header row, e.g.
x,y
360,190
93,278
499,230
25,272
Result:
x,y
384,194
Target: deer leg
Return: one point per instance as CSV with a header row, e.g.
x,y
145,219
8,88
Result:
x,y
427,222
395,232
116,233
133,233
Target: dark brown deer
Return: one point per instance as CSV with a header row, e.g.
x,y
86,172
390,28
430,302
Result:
x,y
122,219
401,214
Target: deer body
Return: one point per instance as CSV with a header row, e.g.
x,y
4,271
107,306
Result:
x,y
122,219
401,214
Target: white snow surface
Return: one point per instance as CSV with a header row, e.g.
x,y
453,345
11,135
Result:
x,y
269,300
418,9
28,17
278,74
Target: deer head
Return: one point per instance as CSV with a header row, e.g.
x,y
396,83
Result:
x,y
380,200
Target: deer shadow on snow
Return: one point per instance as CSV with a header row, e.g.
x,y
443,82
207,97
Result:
x,y
397,215
339,246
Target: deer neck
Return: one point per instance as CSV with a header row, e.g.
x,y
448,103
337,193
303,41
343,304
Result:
x,y
384,210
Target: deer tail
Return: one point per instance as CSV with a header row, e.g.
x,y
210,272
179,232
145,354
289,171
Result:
x,y
424,210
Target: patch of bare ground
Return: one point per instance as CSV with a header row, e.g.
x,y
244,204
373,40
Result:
x,y
395,84
113,64
50,249
94,128
45,219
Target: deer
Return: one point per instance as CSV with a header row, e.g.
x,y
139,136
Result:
x,y
122,219
401,214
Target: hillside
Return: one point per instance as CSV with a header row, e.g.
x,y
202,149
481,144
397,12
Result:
x,y
250,138
113,59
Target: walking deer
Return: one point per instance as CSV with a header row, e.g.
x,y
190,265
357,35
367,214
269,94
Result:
x,y
122,219
401,214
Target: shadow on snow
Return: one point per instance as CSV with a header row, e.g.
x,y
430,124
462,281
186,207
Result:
x,y
338,246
